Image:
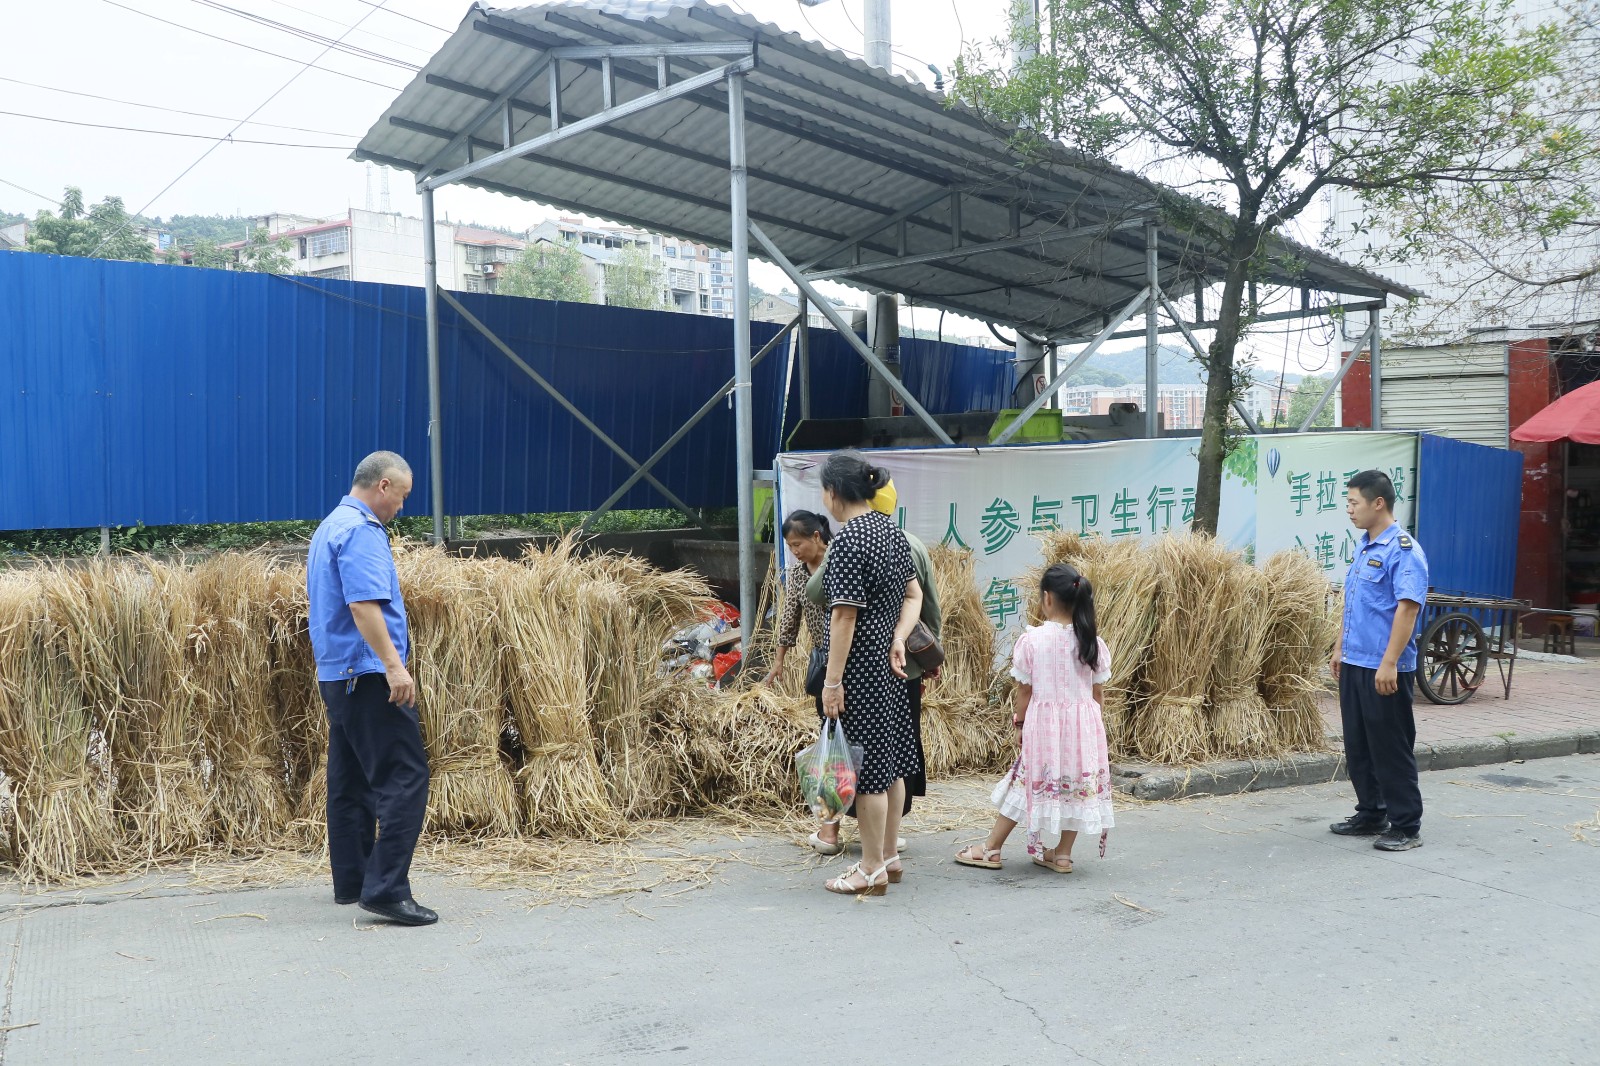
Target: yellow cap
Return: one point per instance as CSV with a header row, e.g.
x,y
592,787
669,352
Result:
x,y
884,499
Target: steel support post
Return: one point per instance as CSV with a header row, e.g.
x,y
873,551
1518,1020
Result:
x,y
571,408
837,321
683,431
1152,368
738,182
1200,352
1082,357
430,282
1367,338
1375,346
802,340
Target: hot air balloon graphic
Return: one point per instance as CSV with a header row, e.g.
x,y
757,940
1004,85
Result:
x,y
1274,458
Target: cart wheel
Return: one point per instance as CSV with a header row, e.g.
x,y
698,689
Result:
x,y
1454,654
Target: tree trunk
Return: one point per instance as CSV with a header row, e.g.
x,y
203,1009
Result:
x,y
1219,380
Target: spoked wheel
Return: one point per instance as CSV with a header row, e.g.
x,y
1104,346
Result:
x,y
1454,655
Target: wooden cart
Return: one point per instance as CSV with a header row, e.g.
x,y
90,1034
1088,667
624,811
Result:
x,y
1460,634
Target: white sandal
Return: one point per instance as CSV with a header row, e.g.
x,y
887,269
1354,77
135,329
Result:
x,y
822,847
877,882
990,860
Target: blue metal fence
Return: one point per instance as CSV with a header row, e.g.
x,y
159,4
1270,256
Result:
x,y
1469,502
140,393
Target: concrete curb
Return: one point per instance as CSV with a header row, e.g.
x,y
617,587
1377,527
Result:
x,y
1230,777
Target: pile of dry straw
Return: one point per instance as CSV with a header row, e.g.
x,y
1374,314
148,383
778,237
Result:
x,y
152,711
1210,656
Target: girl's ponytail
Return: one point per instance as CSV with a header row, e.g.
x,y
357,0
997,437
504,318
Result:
x,y
1074,592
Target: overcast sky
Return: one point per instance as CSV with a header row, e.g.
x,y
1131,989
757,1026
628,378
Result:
x,y
156,52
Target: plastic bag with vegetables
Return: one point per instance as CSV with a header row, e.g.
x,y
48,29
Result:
x,y
828,771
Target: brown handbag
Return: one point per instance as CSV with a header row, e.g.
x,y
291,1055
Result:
x,y
924,648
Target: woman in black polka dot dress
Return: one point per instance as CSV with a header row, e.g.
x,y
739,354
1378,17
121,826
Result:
x,y
874,602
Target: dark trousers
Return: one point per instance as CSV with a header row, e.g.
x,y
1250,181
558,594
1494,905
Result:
x,y
377,780
1379,735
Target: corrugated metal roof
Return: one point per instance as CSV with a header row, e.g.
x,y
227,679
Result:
x,y
834,147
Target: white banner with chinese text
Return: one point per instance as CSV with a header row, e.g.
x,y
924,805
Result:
x,y
1278,491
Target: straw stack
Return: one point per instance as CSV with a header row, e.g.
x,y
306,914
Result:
x,y
1304,617
231,662
54,742
1240,721
1125,580
960,727
1172,728
455,661
126,627
300,717
545,676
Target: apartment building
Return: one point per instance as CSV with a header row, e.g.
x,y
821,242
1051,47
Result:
x,y
698,280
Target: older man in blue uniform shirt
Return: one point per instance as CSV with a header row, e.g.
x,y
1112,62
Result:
x,y
1375,660
377,766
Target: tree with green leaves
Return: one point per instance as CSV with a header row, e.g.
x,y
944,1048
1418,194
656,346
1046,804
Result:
x,y
103,231
207,255
264,254
633,279
547,270
1301,400
1263,106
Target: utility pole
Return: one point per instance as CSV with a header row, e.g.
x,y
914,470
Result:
x,y
879,40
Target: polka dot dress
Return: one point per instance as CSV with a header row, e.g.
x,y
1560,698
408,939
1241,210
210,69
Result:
x,y
869,564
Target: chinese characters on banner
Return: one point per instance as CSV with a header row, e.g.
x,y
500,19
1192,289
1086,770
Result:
x,y
996,501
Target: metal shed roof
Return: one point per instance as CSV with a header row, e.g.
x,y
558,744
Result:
x,y
839,153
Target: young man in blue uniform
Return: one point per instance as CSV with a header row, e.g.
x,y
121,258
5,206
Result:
x,y
1375,661
377,766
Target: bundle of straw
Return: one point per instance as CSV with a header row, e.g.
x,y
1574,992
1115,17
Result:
x,y
455,662
64,823
968,635
544,673
1125,579
300,717
737,748
1304,622
1241,725
1172,727
625,610
126,626
231,662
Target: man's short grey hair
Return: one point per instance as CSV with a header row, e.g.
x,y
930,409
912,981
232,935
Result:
x,y
377,466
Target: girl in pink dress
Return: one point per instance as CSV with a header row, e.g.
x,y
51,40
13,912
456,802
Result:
x,y
1060,785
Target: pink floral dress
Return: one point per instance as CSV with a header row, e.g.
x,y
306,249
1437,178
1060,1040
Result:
x,y
1062,780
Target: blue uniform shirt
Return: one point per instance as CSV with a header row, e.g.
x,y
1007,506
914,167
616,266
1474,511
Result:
x,y
350,562
1386,570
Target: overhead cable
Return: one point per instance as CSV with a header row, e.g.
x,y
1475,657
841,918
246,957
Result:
x,y
253,48
229,138
171,110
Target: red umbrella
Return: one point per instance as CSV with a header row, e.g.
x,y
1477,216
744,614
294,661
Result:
x,y
1574,417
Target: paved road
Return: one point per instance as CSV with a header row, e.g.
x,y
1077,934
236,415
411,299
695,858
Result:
x,y
1234,930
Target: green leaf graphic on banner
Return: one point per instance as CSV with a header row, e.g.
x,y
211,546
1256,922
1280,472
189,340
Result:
x,y
1241,462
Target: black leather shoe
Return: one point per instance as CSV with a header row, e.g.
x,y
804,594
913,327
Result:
x,y
1396,840
345,901
1356,826
404,912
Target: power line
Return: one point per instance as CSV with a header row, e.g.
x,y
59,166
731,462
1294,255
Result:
x,y
174,133
202,157
308,35
253,48
336,22
172,110
30,192
403,15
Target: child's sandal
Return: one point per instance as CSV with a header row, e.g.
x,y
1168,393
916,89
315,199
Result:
x,y
989,859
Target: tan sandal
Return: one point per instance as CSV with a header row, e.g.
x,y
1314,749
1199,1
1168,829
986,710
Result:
x,y
877,882
1054,866
990,859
